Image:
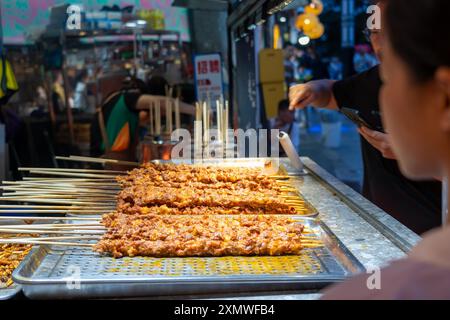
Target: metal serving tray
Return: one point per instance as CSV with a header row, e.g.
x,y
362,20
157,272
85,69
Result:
x,y
56,272
11,291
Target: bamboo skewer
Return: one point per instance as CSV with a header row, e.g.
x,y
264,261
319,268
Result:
x,y
177,114
101,171
74,174
37,211
69,195
56,226
205,123
97,160
44,207
29,206
225,121
30,218
58,193
58,190
88,237
150,118
36,231
158,118
75,180
40,242
37,195
56,201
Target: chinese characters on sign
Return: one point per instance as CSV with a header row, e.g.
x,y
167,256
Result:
x,y
208,75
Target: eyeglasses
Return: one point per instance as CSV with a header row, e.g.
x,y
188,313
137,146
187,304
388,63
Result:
x,y
368,32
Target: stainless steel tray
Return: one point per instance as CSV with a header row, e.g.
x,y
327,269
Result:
x,y
11,291
56,272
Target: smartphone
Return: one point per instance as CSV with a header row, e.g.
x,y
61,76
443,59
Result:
x,y
355,117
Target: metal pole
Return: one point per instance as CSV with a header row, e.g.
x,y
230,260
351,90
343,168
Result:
x,y
66,89
348,34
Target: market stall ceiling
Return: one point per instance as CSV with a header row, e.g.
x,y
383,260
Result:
x,y
249,9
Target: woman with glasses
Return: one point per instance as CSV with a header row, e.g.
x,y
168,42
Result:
x,y
415,103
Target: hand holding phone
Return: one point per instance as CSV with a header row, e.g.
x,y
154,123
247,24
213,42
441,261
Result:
x,y
355,117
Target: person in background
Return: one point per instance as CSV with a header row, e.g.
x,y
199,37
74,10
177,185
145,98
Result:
x,y
318,68
290,65
117,137
286,122
363,60
304,74
415,103
335,69
416,204
156,85
40,102
58,94
80,98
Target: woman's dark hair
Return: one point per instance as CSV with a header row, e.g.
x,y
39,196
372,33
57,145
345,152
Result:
x,y
157,85
419,34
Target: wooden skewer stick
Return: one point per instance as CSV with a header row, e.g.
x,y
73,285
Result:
x,y
51,211
57,226
40,242
37,231
71,181
97,160
290,197
74,174
88,237
150,118
73,170
30,218
41,194
177,114
158,118
279,177
19,197
11,191
29,206
58,188
56,201
62,182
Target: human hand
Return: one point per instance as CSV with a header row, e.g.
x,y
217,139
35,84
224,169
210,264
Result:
x,y
301,95
316,93
379,141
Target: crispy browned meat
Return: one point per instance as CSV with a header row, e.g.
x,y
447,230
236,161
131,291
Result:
x,y
10,257
168,236
188,198
128,208
186,189
158,173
